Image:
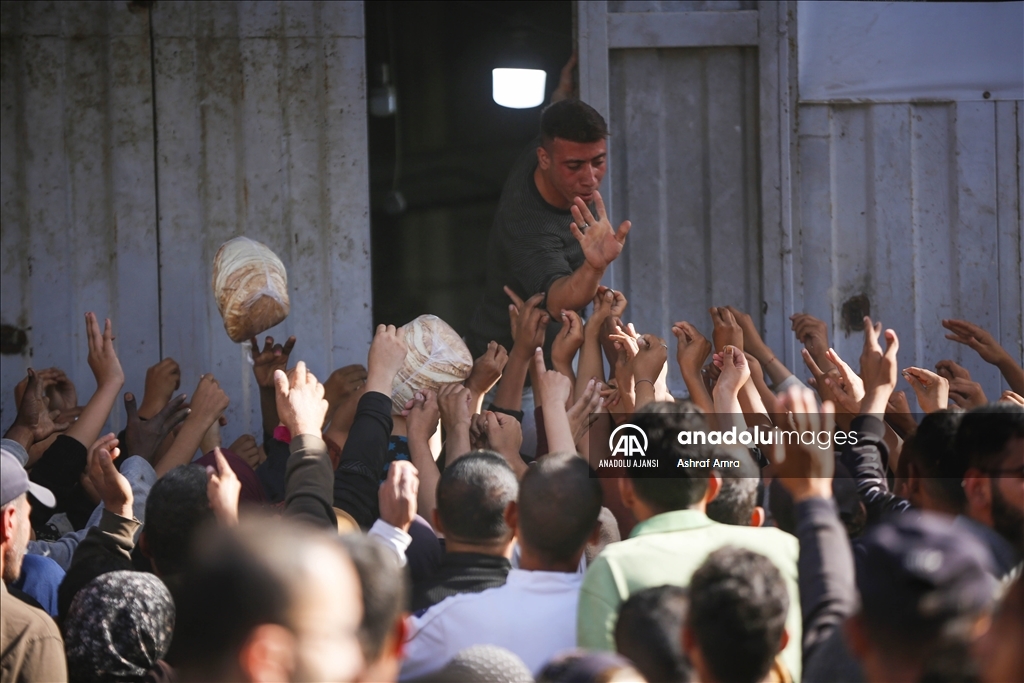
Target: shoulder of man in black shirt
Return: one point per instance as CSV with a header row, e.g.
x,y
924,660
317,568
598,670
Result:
x,y
530,246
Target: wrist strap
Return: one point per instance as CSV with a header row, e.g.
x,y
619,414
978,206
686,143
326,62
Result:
x,y
635,382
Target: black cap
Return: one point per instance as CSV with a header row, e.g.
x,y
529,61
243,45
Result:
x,y
916,570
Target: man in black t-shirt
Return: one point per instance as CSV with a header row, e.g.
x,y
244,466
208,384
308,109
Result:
x,y
544,237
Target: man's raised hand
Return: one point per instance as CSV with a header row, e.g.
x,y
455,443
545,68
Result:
x,y
112,486
102,357
878,368
396,497
487,369
966,393
300,400
931,388
976,337
805,470
813,334
143,437
726,331
692,348
34,421
584,411
162,380
421,415
223,489
601,244
387,353
272,357
567,342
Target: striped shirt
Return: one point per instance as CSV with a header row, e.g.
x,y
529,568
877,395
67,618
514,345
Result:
x,y
530,247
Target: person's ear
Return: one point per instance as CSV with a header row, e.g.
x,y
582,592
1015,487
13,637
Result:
x,y
595,534
977,490
268,654
856,637
436,519
512,517
543,158
757,516
627,492
8,522
714,486
784,640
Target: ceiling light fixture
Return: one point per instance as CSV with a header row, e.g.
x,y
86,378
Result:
x,y
519,88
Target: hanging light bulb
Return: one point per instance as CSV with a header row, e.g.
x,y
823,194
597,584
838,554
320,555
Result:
x,y
518,88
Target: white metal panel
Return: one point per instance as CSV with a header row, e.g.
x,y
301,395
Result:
x,y
911,51
79,214
262,132
916,207
684,156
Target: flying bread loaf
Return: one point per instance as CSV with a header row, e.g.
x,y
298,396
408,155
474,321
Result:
x,y
251,288
436,356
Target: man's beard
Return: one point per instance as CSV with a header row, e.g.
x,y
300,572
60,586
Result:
x,y
1007,520
12,564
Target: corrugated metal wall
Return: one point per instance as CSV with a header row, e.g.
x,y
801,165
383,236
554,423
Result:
x,y
250,121
685,172
78,195
916,207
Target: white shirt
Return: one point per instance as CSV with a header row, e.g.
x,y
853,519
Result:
x,y
533,615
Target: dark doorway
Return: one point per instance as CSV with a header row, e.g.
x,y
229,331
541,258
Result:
x,y
438,164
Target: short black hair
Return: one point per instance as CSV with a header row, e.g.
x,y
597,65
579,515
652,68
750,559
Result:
x,y
559,502
737,496
235,580
985,431
932,452
662,429
176,508
649,632
572,120
472,495
385,591
738,607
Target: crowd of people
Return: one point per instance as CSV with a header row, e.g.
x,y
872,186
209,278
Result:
x,y
354,545
470,537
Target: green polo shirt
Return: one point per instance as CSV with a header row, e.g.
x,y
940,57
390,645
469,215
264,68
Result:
x,y
667,549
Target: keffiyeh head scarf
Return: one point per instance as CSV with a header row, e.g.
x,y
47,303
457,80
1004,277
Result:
x,y
118,627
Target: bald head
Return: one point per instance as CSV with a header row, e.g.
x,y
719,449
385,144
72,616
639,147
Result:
x,y
559,502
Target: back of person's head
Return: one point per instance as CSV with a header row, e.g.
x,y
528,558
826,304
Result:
x,y
268,586
572,120
852,512
985,433
737,496
649,630
581,666
82,572
737,615
932,457
175,510
385,592
662,429
472,495
118,627
559,503
923,581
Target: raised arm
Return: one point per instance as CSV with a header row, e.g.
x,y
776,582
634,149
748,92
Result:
x,y
982,341
106,368
601,245
273,357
